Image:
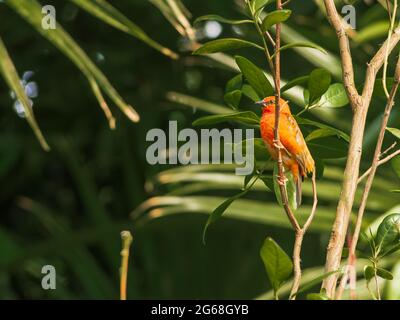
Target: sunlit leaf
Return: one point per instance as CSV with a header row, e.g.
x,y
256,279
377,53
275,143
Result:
x,y
334,97
277,263
310,284
394,131
388,233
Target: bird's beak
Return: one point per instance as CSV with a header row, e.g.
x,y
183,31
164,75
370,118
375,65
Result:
x,y
260,103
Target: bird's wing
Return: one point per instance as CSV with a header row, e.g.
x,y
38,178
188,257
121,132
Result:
x,y
293,141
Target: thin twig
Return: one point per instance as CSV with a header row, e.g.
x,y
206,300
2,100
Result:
x,y
374,166
380,162
126,244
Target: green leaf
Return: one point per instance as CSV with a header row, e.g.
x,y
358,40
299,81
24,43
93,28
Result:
x,y
275,17
394,131
320,133
314,282
328,147
369,273
255,76
317,296
384,274
244,117
221,45
219,211
334,97
10,75
218,18
388,233
277,263
339,133
233,98
295,82
318,84
234,84
290,188
250,93
107,13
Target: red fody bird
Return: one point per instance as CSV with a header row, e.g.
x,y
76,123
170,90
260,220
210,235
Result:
x,y
295,154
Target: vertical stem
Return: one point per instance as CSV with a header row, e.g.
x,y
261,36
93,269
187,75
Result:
x,y
126,244
297,263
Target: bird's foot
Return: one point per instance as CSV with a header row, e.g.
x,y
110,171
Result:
x,y
278,145
281,180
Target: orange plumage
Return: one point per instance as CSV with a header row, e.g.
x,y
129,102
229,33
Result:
x,y
295,154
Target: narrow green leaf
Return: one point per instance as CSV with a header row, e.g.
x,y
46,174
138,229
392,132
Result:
x,y
219,211
275,17
277,263
218,18
320,133
318,84
10,75
109,14
255,76
388,233
244,117
221,45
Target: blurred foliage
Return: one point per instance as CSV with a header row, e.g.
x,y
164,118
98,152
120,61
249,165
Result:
x,y
67,207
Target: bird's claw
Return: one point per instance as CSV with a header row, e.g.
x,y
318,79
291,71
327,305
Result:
x,y
281,180
278,145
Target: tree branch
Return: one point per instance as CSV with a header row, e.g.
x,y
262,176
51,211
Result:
x,y
374,166
360,107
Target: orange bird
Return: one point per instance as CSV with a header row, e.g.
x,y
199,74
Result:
x,y
295,154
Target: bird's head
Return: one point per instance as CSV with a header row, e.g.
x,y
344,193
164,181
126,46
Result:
x,y
268,105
